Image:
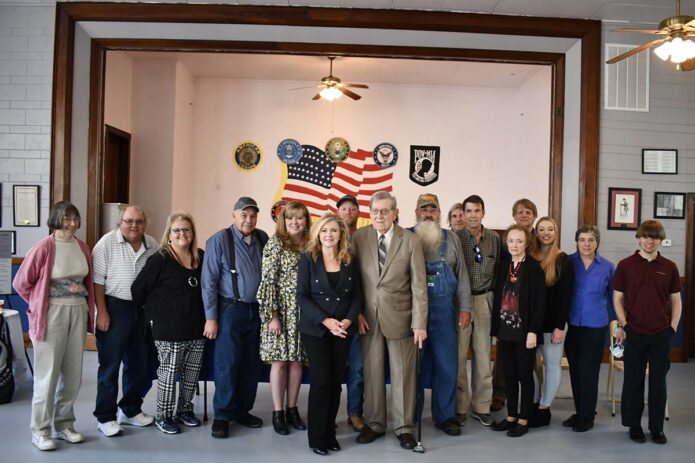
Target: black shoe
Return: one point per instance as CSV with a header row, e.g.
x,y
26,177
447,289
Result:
x,y
279,423
333,445
220,428
504,425
319,451
583,425
659,437
250,421
450,427
572,421
541,417
637,435
294,420
518,430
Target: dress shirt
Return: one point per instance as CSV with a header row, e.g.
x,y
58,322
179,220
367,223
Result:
x,y
387,238
481,274
592,299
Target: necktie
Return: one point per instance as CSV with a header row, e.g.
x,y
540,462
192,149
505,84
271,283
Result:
x,y
382,252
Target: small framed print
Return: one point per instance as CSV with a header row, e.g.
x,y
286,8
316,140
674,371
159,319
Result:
x,y
659,161
669,205
25,199
8,243
624,208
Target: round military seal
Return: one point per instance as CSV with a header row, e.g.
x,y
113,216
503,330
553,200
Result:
x,y
289,151
385,155
337,149
277,208
247,155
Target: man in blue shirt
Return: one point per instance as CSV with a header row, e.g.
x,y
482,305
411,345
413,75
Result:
x,y
230,278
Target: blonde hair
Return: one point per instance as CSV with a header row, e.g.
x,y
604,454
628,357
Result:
x,y
314,247
281,228
549,261
165,245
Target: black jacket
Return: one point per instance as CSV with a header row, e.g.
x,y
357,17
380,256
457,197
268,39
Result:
x,y
318,300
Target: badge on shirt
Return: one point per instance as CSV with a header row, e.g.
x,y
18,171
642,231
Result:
x,y
247,156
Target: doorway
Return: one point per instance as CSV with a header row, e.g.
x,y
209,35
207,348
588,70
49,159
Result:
x,y
115,166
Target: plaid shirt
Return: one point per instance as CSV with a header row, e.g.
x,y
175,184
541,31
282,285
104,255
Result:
x,y
481,274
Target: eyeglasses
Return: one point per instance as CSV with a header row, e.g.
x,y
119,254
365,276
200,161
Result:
x,y
71,219
176,231
137,222
376,212
478,255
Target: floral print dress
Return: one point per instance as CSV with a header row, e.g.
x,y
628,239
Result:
x,y
278,292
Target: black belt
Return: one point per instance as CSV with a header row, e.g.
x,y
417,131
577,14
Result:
x,y
480,293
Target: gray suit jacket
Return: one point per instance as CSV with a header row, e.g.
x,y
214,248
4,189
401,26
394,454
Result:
x,y
397,297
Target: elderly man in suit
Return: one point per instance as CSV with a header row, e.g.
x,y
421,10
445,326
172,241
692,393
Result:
x,y
394,284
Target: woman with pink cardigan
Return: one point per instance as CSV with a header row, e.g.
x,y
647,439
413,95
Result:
x,y
55,279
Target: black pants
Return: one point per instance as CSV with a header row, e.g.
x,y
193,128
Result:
x,y
584,348
327,357
640,349
518,362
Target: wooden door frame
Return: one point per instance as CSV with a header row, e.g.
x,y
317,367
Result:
x,y
689,302
67,14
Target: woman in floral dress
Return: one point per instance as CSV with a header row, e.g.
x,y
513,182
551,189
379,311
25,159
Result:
x,y
279,312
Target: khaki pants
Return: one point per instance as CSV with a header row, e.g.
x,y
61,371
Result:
x,y
477,337
58,367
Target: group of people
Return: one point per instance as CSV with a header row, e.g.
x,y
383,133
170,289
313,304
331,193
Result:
x,y
335,295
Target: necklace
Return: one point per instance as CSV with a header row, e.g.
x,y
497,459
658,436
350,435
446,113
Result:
x,y
514,271
192,282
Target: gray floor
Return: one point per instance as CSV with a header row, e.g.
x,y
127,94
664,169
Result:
x,y
608,441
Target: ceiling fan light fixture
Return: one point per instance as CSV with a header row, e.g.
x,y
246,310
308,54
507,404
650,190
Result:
x,y
330,93
663,51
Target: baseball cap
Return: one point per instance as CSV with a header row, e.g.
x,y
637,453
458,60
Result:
x,y
350,198
427,199
245,202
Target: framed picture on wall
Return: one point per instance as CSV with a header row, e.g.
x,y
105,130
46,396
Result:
x,y
659,161
624,208
669,205
25,199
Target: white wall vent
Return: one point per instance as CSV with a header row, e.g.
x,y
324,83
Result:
x,y
627,81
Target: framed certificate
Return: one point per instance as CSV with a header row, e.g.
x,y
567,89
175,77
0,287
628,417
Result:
x,y
658,161
25,199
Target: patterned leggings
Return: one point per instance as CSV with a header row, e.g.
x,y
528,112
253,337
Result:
x,y
181,359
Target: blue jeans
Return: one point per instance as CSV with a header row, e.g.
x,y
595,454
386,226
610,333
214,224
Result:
x,y
123,342
355,379
237,360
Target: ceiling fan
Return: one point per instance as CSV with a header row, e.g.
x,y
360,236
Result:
x,y
331,87
674,42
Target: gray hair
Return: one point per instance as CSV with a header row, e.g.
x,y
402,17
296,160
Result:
x,y
379,195
58,212
588,229
124,207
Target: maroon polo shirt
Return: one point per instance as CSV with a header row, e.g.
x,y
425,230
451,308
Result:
x,y
647,287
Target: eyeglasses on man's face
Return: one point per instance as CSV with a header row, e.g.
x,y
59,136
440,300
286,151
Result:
x,y
138,222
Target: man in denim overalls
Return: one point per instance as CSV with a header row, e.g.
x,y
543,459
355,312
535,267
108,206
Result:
x,y
449,303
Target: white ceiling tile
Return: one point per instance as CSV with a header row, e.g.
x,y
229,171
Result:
x,y
436,5
470,6
320,3
382,4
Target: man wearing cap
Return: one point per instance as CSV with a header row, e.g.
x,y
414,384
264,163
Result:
x,y
230,278
449,305
481,251
394,285
349,210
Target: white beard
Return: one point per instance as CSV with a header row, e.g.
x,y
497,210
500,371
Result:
x,y
430,234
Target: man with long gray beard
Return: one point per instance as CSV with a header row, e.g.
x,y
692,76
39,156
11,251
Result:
x,y
449,303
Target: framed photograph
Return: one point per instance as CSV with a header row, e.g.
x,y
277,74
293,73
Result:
x,y
659,161
669,205
25,199
624,208
8,242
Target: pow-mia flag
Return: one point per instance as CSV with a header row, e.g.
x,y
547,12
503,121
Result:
x,y
424,164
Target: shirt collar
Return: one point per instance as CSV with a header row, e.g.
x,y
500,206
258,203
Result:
x,y
120,239
388,234
239,235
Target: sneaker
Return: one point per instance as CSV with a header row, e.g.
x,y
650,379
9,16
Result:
x,y
187,418
43,442
70,435
220,428
167,426
484,418
110,428
141,419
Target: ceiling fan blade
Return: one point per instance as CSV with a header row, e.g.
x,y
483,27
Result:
x,y
355,85
636,50
688,65
302,88
644,31
317,96
347,92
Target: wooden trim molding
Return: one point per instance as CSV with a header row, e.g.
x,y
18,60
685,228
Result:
x,y
67,14
689,302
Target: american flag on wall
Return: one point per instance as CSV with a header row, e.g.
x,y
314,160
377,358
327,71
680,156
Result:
x,y
318,182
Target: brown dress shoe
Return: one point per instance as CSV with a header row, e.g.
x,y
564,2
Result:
x,y
357,423
496,405
407,441
368,435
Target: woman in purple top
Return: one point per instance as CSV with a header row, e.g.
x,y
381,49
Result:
x,y
591,311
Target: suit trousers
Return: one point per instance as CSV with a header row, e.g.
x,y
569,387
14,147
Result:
x,y
327,356
58,367
640,349
401,354
477,337
584,348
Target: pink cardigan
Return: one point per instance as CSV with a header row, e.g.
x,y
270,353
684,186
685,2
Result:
x,y
33,278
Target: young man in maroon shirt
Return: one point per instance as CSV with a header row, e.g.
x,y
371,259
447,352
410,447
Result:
x,y
647,300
